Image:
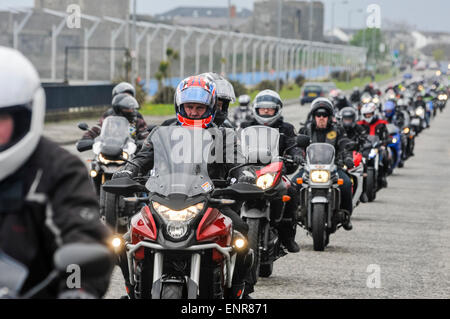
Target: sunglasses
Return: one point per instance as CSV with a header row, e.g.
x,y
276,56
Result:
x,y
321,115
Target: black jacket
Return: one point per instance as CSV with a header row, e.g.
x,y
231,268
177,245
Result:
x,y
287,140
357,134
49,202
334,134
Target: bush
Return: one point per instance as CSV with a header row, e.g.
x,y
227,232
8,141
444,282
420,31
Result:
x,y
239,88
300,80
268,85
164,95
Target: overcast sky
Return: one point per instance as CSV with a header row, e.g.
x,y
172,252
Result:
x,y
426,15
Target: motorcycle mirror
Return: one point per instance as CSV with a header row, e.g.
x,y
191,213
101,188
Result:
x,y
93,259
302,141
123,186
83,126
84,145
243,191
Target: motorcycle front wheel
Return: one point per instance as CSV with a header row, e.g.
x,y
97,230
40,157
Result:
x,y
254,241
319,232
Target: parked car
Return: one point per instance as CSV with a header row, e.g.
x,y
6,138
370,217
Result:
x,y
313,90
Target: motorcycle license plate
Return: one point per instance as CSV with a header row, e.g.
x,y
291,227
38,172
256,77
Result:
x,y
415,122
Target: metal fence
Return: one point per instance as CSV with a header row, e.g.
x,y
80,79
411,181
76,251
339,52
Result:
x,y
63,97
245,57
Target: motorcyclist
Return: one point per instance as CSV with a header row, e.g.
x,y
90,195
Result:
x,y
126,106
355,97
322,130
341,101
46,198
242,113
196,106
225,96
267,110
376,126
354,131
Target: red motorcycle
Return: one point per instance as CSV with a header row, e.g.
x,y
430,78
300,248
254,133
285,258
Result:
x,y
180,245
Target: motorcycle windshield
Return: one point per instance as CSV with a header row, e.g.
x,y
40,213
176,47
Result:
x,y
260,144
12,275
392,129
373,139
180,161
320,154
115,131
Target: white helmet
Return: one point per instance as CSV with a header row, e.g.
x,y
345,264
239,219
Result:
x,y
369,108
244,100
267,99
23,98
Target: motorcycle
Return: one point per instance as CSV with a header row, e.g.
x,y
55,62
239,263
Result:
x,y
442,100
418,119
320,195
262,216
372,161
93,259
394,148
356,175
180,245
112,149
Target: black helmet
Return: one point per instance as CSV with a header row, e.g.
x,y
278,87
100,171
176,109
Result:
x,y
348,117
124,87
322,104
125,105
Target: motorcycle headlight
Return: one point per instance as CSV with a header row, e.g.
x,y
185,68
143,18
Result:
x,y
265,181
375,100
183,215
406,130
106,161
394,140
125,155
373,153
420,111
320,176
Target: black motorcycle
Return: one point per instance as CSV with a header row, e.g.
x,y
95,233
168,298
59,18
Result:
x,y
112,149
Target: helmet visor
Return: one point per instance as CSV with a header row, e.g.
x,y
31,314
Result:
x,y
267,101
15,123
194,95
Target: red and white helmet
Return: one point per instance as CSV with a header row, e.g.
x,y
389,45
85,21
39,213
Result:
x,y
200,90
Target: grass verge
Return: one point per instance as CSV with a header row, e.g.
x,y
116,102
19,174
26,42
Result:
x,y
289,92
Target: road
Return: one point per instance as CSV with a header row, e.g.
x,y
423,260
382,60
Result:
x,y
399,246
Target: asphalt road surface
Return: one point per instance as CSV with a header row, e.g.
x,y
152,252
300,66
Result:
x,y
399,246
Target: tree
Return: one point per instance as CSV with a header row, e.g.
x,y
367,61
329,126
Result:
x,y
164,73
438,55
364,38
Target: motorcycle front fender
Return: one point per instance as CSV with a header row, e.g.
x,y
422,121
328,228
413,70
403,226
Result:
x,y
255,213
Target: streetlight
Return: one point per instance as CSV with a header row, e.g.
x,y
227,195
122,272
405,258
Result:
x,y
332,17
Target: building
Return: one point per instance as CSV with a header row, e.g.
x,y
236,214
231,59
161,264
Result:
x,y
116,8
209,17
295,19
